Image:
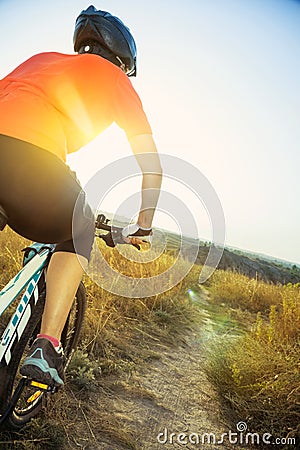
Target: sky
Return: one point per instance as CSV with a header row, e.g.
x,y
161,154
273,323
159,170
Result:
x,y
219,81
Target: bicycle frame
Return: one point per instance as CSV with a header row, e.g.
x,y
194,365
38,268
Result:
x,y
28,278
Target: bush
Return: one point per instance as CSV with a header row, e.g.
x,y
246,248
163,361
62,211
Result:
x,y
239,291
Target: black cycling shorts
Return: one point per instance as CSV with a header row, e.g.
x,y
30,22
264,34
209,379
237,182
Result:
x,y
42,198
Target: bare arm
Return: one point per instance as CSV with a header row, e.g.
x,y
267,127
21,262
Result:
x,y
145,151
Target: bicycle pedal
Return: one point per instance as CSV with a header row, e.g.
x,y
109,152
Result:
x,y
36,384
42,387
34,396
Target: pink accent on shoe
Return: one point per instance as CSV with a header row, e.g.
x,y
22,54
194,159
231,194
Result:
x,y
52,339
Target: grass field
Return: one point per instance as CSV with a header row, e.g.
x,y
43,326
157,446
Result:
x,y
256,373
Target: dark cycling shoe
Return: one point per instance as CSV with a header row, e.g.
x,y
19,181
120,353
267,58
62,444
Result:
x,y
44,364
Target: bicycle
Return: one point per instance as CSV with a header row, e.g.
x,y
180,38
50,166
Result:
x,y
21,398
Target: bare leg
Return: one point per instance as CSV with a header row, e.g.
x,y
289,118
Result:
x,y
63,277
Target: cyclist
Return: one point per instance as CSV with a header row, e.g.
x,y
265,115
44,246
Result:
x,y
52,105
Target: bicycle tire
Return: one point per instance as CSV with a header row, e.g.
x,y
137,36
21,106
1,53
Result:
x,y
20,416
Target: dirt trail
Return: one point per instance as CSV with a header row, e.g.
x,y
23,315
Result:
x,y
170,393
183,401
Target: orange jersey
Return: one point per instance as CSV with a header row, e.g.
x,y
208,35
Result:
x,y
61,102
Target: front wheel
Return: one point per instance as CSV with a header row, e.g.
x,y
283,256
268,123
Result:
x,y
31,400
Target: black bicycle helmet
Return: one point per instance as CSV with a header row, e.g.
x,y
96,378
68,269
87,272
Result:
x,y
99,32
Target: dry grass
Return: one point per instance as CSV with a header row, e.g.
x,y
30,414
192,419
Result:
x,y
258,375
239,291
10,254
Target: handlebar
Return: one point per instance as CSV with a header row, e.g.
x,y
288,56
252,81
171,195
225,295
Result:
x,y
114,235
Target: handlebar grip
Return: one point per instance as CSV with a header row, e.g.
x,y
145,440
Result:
x,y
101,224
108,239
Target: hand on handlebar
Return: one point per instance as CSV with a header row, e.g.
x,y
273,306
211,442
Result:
x,y
135,233
132,234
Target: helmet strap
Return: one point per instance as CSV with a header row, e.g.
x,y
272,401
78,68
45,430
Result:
x,y
122,65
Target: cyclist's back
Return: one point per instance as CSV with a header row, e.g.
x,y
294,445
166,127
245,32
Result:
x,y
61,102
